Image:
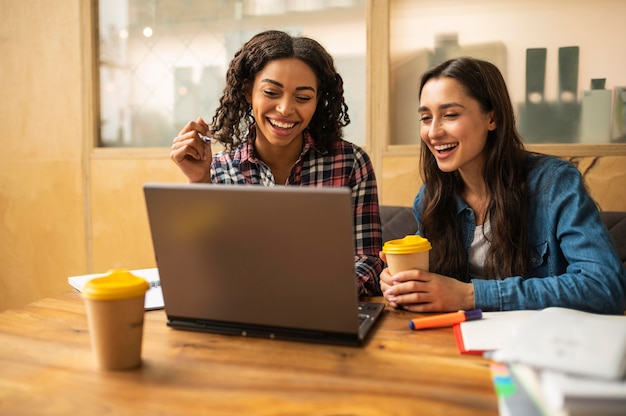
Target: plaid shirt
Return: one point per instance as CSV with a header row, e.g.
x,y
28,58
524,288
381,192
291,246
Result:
x,y
348,165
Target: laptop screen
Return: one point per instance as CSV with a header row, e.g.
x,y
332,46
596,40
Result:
x,y
279,256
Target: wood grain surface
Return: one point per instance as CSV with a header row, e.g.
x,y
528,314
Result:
x,y
46,367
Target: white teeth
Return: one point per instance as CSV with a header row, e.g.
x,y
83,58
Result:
x,y
281,124
446,146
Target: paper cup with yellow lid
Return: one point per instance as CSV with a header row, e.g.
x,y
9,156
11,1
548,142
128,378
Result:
x,y
410,252
115,312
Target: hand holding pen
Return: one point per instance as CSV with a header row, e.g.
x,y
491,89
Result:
x,y
446,319
191,151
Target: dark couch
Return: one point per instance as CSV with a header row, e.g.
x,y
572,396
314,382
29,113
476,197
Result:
x,y
399,221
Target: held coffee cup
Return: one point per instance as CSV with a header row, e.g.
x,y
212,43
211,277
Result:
x,y
115,311
410,252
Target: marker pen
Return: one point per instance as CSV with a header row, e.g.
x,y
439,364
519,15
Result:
x,y
446,319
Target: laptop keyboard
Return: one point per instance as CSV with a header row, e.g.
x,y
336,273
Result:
x,y
364,317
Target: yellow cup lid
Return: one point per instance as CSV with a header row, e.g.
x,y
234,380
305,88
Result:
x,y
406,245
116,284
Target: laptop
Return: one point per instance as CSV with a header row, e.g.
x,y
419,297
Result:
x,y
273,262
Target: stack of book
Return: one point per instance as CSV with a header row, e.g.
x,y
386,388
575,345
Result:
x,y
556,361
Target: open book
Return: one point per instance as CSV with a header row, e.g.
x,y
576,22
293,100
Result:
x,y
570,341
489,333
552,362
559,339
154,295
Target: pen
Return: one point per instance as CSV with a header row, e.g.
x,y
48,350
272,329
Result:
x,y
445,319
205,138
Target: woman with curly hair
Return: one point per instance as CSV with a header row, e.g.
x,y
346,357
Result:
x,y
509,229
280,120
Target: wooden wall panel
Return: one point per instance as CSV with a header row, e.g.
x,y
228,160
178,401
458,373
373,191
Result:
x,y
605,177
120,232
400,180
120,235
606,180
42,238
41,206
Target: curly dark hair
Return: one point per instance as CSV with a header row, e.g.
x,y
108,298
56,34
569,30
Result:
x,y
233,118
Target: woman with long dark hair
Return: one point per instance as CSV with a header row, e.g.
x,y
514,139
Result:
x,y
509,229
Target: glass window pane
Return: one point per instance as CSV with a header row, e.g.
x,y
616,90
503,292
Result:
x,y
163,62
563,62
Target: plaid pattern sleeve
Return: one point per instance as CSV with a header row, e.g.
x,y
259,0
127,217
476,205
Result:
x,y
348,165
368,233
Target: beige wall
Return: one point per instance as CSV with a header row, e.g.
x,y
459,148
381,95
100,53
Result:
x,y
120,231
68,209
42,228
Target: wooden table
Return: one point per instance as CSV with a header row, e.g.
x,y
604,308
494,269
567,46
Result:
x,y
46,367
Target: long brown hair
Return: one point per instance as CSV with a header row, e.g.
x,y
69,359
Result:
x,y
234,117
503,173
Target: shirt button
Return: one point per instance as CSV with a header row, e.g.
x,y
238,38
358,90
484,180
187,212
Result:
x,y
533,260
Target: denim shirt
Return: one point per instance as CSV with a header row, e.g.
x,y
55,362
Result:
x,y
573,262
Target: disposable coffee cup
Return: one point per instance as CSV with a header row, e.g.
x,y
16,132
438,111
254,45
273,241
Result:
x,y
410,252
115,312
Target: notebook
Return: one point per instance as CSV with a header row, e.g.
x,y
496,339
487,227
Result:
x,y
275,262
154,296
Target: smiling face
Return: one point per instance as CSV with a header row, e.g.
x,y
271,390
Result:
x,y
453,125
284,99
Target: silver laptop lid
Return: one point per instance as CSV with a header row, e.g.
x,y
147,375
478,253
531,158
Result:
x,y
280,257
